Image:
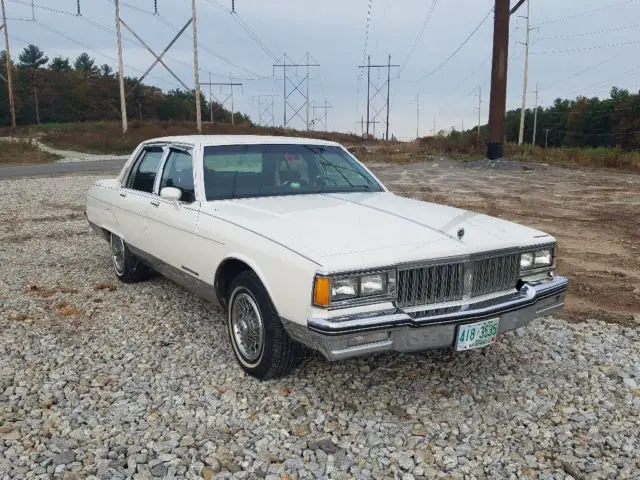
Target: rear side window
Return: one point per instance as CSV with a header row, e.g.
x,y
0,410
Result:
x,y
143,175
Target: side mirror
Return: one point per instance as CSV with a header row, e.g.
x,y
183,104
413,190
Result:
x,y
171,193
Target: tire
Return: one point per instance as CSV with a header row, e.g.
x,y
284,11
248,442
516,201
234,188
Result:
x,y
270,352
127,267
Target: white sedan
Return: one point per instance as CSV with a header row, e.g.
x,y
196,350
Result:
x,y
303,247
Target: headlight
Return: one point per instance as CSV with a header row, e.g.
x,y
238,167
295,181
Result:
x,y
344,288
537,259
543,258
352,289
526,260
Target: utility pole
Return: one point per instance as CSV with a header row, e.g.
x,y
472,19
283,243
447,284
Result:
x,y
388,93
498,100
535,118
35,95
210,100
526,76
417,116
479,107
377,114
546,138
196,74
307,102
324,107
265,109
296,88
230,84
233,111
12,105
123,98
434,125
368,90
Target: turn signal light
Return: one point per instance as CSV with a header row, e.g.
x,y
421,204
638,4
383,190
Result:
x,y
322,291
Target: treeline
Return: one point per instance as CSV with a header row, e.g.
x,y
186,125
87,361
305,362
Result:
x,y
583,122
61,91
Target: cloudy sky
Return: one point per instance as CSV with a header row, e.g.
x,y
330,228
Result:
x,y
577,47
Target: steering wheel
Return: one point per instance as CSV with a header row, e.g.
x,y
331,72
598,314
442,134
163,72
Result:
x,y
324,180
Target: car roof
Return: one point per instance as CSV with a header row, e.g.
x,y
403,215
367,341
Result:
x,y
238,140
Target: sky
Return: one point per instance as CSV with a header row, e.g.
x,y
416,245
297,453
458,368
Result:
x,y
577,47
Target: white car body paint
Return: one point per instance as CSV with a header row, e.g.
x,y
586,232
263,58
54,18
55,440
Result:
x,y
287,240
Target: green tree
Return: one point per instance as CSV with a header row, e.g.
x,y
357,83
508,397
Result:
x,y
60,64
86,65
32,57
106,70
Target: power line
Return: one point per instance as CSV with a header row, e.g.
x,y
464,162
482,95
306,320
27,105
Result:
x,y
366,31
253,36
423,27
596,32
585,49
455,52
570,17
584,70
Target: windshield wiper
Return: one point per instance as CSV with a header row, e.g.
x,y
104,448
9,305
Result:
x,y
325,163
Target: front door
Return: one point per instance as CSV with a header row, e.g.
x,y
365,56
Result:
x,y
132,199
171,228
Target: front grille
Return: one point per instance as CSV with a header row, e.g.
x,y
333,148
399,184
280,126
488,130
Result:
x,y
433,284
495,274
427,285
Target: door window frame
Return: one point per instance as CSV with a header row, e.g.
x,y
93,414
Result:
x,y
126,181
178,147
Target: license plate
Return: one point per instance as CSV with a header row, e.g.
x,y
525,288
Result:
x,y
477,335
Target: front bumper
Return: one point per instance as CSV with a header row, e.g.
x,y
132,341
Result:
x,y
396,330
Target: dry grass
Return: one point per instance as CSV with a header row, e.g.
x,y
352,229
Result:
x,y
23,150
467,147
107,137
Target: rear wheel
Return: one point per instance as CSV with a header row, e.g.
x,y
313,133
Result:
x,y
127,267
260,343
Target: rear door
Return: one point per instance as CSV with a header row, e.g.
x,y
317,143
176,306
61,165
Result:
x,y
135,195
172,229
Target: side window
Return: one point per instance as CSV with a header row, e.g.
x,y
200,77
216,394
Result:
x,y
143,175
178,173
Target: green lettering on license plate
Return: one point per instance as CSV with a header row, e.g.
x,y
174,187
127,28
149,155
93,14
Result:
x,y
477,335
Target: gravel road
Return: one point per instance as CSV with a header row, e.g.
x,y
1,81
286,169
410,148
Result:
x,y
99,379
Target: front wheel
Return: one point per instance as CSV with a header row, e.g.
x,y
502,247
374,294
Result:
x,y
127,267
260,343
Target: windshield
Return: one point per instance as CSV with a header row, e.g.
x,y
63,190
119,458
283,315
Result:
x,y
237,171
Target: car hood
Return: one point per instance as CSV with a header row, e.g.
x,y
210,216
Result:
x,y
372,229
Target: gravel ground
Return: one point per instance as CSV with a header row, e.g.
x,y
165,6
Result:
x,y
112,381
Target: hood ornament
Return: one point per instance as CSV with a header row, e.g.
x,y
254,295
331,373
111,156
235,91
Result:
x,y
460,233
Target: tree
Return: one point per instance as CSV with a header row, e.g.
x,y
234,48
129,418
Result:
x,y
60,64
86,65
32,57
106,70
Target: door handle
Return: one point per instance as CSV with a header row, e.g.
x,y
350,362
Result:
x,y
123,194
155,203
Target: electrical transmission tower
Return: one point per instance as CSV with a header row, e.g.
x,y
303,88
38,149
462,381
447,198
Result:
x,y
321,118
265,110
525,79
158,59
296,87
230,96
375,115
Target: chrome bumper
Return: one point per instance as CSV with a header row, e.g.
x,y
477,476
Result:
x,y
399,331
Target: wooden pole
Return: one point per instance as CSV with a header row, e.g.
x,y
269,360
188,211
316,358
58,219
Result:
x,y
498,102
12,105
123,98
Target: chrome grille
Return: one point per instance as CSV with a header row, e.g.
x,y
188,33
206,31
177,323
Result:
x,y
431,284
495,274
